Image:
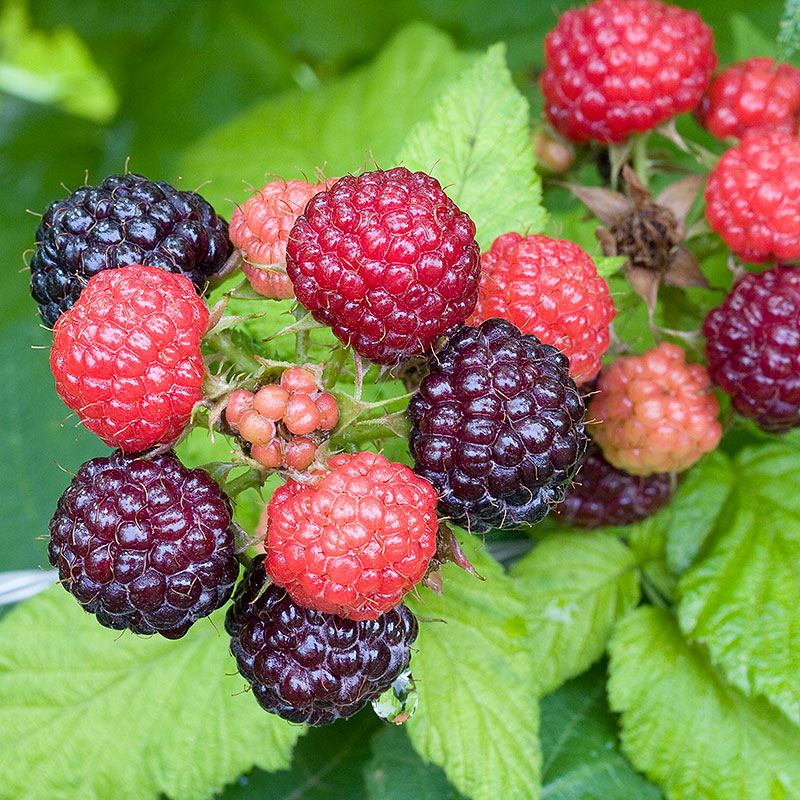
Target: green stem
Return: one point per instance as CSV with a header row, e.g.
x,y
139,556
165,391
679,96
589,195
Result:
x,y
252,479
302,338
639,155
334,366
221,343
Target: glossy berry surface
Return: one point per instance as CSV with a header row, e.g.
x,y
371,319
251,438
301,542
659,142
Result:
x,y
127,356
260,228
751,95
144,544
387,260
655,412
753,347
603,495
309,666
125,220
497,427
356,541
753,197
617,67
551,289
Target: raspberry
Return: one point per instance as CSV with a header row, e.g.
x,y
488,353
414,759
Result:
x,y
602,495
127,356
656,412
260,227
615,67
753,347
355,542
753,94
552,290
753,197
144,544
497,427
387,260
308,666
125,220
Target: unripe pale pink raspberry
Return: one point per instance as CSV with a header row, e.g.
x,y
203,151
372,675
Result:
x,y
655,412
239,402
270,401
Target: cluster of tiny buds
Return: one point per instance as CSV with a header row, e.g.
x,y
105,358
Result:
x,y
284,423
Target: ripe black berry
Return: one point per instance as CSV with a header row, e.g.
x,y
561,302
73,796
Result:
x,y
125,220
144,543
308,666
497,427
601,494
753,347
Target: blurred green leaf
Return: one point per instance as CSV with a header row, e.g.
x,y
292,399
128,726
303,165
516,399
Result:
x,y
580,751
789,30
51,67
477,143
87,710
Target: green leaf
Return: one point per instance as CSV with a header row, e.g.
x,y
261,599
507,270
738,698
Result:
x,y
574,587
608,265
695,509
340,127
51,68
580,751
396,772
477,144
741,598
86,711
789,31
689,731
478,713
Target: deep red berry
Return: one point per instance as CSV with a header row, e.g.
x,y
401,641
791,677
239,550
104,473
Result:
x,y
655,412
127,356
356,541
752,95
387,260
125,220
616,67
144,544
308,666
497,427
753,347
260,227
753,197
602,495
551,289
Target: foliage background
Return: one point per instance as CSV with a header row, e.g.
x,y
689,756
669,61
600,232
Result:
x,y
191,91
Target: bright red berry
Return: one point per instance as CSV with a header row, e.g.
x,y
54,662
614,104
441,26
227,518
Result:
x,y
355,542
260,228
655,412
750,95
387,260
753,197
615,67
551,289
753,347
127,356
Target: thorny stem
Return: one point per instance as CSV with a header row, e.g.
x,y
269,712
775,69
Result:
x,y
639,155
221,343
333,366
252,479
302,338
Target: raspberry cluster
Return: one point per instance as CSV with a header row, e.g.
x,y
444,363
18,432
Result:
x,y
283,423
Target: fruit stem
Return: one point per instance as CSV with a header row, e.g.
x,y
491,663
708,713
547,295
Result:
x,y
639,157
333,366
388,426
252,479
302,338
221,343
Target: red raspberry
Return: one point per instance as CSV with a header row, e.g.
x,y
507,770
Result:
x,y
753,197
357,541
656,412
753,347
750,95
552,290
616,67
127,357
260,228
387,260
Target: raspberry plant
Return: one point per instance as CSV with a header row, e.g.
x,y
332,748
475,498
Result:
x,y
370,423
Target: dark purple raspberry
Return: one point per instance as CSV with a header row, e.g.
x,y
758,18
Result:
x,y
144,543
601,494
387,260
753,347
497,427
309,666
125,220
